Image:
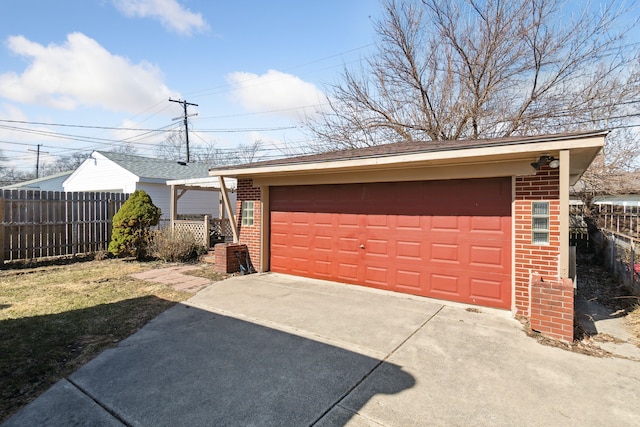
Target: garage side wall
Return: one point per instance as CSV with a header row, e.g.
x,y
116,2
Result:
x,y
249,235
540,292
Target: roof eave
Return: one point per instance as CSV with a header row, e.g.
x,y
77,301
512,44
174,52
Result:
x,y
587,145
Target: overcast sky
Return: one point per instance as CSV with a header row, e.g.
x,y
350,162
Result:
x,y
254,68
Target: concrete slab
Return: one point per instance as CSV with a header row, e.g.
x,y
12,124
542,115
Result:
x,y
192,367
366,320
278,350
63,405
475,369
598,319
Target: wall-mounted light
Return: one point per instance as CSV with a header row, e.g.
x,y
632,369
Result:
x,y
546,160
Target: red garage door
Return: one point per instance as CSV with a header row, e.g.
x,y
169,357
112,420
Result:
x,y
443,239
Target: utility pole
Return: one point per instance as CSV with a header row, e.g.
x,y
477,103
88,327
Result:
x,y
186,124
37,151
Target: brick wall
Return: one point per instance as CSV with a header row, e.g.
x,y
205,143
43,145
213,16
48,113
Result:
x,y
225,257
552,309
537,266
249,235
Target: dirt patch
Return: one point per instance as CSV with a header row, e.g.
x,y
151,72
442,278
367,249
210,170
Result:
x,y
596,284
633,324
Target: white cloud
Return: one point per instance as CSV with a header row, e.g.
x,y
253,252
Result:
x,y
169,12
81,72
285,93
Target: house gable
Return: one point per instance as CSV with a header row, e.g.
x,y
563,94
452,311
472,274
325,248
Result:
x,y
98,173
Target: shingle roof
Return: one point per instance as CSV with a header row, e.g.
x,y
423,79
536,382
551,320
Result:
x,y
150,168
40,180
411,147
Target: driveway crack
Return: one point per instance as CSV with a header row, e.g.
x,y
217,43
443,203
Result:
x,y
97,402
375,367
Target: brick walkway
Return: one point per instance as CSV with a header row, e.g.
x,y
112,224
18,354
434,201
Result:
x,y
174,276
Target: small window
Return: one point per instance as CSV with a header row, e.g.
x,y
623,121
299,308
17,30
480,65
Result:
x,y
540,223
247,213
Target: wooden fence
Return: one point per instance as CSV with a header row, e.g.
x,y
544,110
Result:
x,y
38,224
619,218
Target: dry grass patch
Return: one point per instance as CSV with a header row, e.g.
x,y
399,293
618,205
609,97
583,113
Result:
x,y
633,322
54,319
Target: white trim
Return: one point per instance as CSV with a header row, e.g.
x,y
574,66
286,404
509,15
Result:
x,y
515,151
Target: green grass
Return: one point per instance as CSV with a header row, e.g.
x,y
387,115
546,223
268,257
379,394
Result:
x,y
54,319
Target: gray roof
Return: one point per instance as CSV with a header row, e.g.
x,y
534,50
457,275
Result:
x,y
410,147
147,167
35,183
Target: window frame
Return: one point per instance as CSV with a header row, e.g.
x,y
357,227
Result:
x,y
540,235
248,213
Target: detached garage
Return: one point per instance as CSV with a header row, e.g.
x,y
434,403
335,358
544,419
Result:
x,y
482,222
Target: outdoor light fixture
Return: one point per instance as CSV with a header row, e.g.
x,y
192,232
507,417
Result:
x,y
546,160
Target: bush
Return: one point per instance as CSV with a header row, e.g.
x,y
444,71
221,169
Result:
x,y
131,226
172,247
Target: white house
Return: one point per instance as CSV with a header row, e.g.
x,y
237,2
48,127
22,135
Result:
x,y
126,173
47,183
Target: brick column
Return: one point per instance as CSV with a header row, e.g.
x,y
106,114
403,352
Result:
x,y
552,309
540,293
250,235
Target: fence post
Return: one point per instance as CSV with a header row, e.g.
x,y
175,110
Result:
x,y
206,231
633,264
612,259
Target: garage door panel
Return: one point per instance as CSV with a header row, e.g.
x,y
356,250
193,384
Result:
x,y
409,280
323,219
348,220
409,250
322,268
444,285
376,276
348,272
444,239
323,243
447,223
409,223
445,252
488,224
487,256
486,289
378,247
300,241
348,246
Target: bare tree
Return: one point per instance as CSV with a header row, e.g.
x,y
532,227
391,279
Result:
x,y
249,153
447,70
173,147
65,163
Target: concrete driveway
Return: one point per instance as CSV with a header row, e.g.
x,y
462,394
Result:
x,y
275,350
